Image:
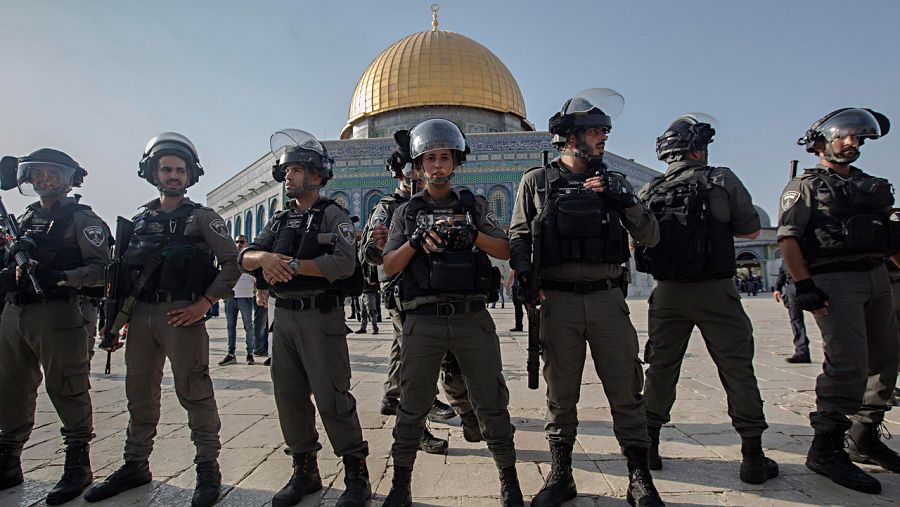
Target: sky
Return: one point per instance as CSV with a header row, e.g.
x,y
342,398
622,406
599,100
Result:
x,y
99,78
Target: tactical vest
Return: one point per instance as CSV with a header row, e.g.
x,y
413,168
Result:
x,y
447,272
183,268
692,245
48,232
371,272
855,217
297,235
577,225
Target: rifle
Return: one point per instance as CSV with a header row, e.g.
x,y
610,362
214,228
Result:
x,y
19,246
115,313
532,301
794,168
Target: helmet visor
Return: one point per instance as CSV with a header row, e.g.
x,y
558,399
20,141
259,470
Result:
x,y
44,179
695,118
285,139
432,135
858,123
606,100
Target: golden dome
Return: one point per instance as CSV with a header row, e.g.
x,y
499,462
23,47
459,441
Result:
x,y
435,68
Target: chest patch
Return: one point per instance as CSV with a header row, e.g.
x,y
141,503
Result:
x,y
218,226
94,234
788,199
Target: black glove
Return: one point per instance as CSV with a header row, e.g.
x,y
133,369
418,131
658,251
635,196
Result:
x,y
461,237
400,157
417,239
810,297
527,290
50,278
617,192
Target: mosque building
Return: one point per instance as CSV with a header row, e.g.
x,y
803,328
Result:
x,y
430,74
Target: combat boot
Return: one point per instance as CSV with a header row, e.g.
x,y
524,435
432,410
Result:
x,y
865,446
304,481
827,457
10,469
76,475
401,488
131,475
440,412
641,491
209,481
756,468
356,482
510,492
654,460
560,485
432,444
471,429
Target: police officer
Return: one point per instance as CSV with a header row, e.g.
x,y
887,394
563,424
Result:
x,y
307,255
700,210
835,227
569,238
399,164
440,240
68,245
170,267
786,292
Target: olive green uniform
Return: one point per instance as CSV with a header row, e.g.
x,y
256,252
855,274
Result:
x,y
570,321
309,350
471,337
151,340
49,334
714,306
454,385
859,333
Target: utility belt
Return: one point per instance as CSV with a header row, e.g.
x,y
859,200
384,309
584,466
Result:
x,y
581,287
853,266
447,309
165,296
28,298
323,302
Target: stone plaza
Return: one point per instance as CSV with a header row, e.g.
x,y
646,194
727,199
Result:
x,y
701,450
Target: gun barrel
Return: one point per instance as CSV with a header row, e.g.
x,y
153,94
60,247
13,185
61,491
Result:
x,y
534,347
794,168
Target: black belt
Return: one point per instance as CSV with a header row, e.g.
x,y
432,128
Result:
x,y
837,267
28,298
448,309
323,302
165,296
581,286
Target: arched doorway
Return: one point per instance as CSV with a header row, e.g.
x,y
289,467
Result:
x,y
750,271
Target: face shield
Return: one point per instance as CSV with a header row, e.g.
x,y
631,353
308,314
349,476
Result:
x,y
858,123
295,146
595,107
44,179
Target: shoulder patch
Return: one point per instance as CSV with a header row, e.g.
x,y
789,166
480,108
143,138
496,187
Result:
x,y
379,216
348,233
218,226
788,199
95,234
491,218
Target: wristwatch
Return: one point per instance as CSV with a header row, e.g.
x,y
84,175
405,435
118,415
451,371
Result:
x,y
293,265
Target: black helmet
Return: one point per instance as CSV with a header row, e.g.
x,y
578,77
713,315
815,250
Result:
x,y
400,162
438,134
858,122
170,143
594,107
690,132
68,171
295,146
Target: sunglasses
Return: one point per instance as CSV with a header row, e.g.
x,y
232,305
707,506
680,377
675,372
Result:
x,y
241,242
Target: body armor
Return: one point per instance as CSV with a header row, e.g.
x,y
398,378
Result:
x,y
183,268
297,234
692,245
854,217
577,225
48,232
449,271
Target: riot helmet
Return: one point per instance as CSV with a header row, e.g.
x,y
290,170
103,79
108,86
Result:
x,y
48,173
437,134
169,143
690,132
298,147
594,107
860,123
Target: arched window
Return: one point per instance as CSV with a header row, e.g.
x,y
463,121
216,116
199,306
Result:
x,y
371,200
228,224
260,218
498,198
342,199
273,207
248,224
746,256
237,226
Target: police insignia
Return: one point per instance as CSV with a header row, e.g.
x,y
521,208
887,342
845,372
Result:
x,y
95,235
218,226
788,199
348,233
491,218
379,218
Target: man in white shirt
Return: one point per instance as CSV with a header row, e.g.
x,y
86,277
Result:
x,y
243,302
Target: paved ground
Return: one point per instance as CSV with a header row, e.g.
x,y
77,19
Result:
x,y
701,448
